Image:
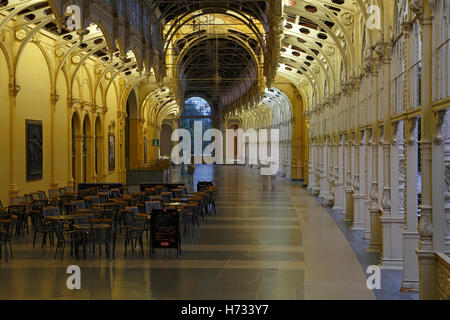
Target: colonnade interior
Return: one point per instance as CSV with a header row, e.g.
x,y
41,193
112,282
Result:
x,y
358,89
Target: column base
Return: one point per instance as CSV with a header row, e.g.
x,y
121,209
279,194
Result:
x,y
54,184
358,226
410,262
391,264
410,286
366,220
316,191
13,191
349,206
427,275
374,248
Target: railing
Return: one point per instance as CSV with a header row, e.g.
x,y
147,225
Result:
x,y
443,276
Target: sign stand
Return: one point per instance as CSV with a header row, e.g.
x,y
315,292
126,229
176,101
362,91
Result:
x,y
165,230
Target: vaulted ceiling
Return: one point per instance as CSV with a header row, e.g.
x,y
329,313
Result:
x,y
220,50
223,65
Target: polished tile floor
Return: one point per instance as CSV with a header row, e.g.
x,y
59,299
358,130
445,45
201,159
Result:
x,y
278,244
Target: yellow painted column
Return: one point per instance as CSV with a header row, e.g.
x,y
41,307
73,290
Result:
x,y
13,91
53,100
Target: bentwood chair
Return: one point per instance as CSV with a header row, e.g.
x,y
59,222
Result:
x,y
19,213
92,201
99,237
5,238
17,200
166,197
115,193
54,195
134,231
64,236
43,227
51,212
79,205
104,197
138,197
124,191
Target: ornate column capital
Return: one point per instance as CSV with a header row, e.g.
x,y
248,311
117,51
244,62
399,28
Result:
x,y
417,6
14,89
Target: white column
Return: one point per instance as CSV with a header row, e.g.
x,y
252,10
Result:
x,y
324,184
311,167
360,184
393,209
316,189
410,235
368,185
339,184
349,182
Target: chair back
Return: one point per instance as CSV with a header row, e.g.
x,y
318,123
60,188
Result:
x,y
138,197
58,230
133,210
51,212
83,194
176,193
159,189
153,205
54,193
129,218
124,191
79,204
17,200
5,230
115,193
166,197
150,192
100,235
1,204
42,195
82,219
91,201
32,197
17,210
69,189
104,197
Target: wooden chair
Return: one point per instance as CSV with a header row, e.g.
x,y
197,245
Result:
x,y
5,238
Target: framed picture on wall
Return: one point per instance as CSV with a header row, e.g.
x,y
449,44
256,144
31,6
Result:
x,y
34,153
112,152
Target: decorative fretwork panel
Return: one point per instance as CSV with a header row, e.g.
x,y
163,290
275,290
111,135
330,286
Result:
x,y
442,42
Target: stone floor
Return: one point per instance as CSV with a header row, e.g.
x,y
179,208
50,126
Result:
x,y
280,244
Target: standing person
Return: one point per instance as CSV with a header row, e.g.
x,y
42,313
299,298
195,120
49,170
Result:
x,y
191,171
266,178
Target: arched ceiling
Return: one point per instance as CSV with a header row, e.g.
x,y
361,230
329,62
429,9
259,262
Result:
x,y
223,64
212,67
318,46
220,50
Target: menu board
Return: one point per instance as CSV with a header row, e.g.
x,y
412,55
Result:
x,y
165,230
